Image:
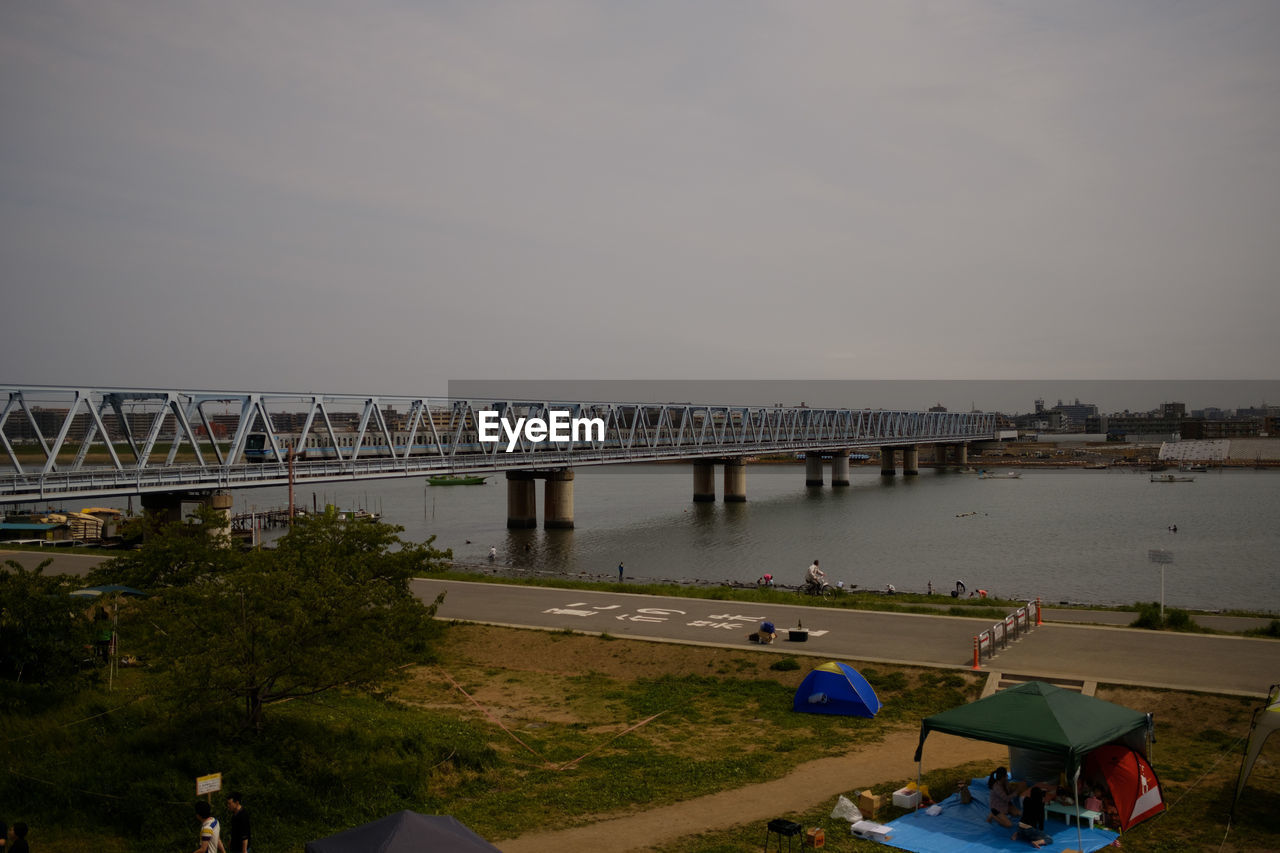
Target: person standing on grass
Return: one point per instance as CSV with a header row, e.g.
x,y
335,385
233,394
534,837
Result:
x,y
619,572
239,823
210,830
19,839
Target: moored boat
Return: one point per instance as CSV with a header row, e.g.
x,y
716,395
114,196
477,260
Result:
x,y
1171,478
357,515
999,475
456,480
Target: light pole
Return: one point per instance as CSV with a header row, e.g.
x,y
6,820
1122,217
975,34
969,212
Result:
x,y
1163,557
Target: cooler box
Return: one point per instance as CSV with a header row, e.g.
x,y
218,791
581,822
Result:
x,y
904,798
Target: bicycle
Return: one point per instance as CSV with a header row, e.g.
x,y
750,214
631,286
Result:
x,y
823,589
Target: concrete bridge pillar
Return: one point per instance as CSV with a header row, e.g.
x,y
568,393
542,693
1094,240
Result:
x,y
813,469
910,461
735,481
704,482
558,495
940,455
962,455
221,503
167,508
888,462
840,468
522,500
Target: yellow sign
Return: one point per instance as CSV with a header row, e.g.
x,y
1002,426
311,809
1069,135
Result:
x,y
208,784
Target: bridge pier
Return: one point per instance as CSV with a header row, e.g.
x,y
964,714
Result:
x,y
558,494
735,481
522,500
167,508
813,469
840,468
910,461
888,462
940,455
704,482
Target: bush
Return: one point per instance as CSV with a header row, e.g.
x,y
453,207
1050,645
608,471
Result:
x,y
1174,619
1272,630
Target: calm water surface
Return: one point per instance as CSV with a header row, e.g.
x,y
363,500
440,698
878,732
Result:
x,y
1064,535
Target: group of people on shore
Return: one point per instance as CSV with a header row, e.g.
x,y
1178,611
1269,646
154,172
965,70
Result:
x,y
15,840
1010,802
211,829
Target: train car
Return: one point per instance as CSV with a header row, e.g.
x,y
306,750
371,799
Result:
x,y
257,448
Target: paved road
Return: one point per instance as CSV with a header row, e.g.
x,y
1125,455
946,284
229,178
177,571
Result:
x,y
1113,655
1063,647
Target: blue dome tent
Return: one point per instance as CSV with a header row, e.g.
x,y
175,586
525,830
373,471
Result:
x,y
836,688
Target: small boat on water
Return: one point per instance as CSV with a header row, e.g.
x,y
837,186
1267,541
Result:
x,y
1194,468
999,475
357,515
1171,478
456,481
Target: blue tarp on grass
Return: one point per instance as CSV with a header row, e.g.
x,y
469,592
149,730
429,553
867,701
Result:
x,y
963,828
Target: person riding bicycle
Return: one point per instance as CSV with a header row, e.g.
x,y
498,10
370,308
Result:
x,y
814,579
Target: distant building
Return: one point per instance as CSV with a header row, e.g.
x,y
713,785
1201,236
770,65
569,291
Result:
x,y
1075,415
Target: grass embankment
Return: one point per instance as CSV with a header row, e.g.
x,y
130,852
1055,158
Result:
x,y
589,726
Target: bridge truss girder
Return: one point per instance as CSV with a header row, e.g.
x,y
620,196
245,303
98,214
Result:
x,y
389,436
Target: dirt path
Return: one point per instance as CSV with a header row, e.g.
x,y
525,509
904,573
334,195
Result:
x,y
799,791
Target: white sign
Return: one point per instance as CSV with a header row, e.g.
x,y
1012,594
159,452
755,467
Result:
x,y
208,784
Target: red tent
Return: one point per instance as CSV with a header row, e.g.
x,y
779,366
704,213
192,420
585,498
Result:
x,y
1131,781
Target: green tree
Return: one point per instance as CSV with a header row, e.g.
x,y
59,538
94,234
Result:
x,y
174,554
330,606
43,631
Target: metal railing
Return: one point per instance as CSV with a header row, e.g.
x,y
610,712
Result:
x,y
1014,626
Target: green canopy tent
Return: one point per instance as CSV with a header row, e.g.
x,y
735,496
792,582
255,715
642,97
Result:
x,y
1043,719
1265,721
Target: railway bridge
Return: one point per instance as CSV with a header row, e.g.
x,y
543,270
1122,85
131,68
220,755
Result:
x,y
176,446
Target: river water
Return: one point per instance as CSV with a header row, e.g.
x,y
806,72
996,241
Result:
x,y
1069,535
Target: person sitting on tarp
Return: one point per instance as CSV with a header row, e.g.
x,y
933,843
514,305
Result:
x,y
1031,824
1002,798
766,634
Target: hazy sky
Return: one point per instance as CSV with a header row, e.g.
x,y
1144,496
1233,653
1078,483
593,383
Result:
x,y
379,197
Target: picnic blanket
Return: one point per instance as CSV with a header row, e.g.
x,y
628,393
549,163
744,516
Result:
x,y
963,828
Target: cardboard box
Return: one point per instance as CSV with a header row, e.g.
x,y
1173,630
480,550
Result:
x,y
816,837
905,798
870,830
868,803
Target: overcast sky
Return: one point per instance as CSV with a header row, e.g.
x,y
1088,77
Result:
x,y
379,197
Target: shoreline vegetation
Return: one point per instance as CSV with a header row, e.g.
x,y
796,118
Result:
x,y
852,598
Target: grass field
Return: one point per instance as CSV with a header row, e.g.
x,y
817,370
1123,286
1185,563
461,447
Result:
x,y
515,731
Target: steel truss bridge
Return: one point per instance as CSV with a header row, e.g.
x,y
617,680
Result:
x,y
63,442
